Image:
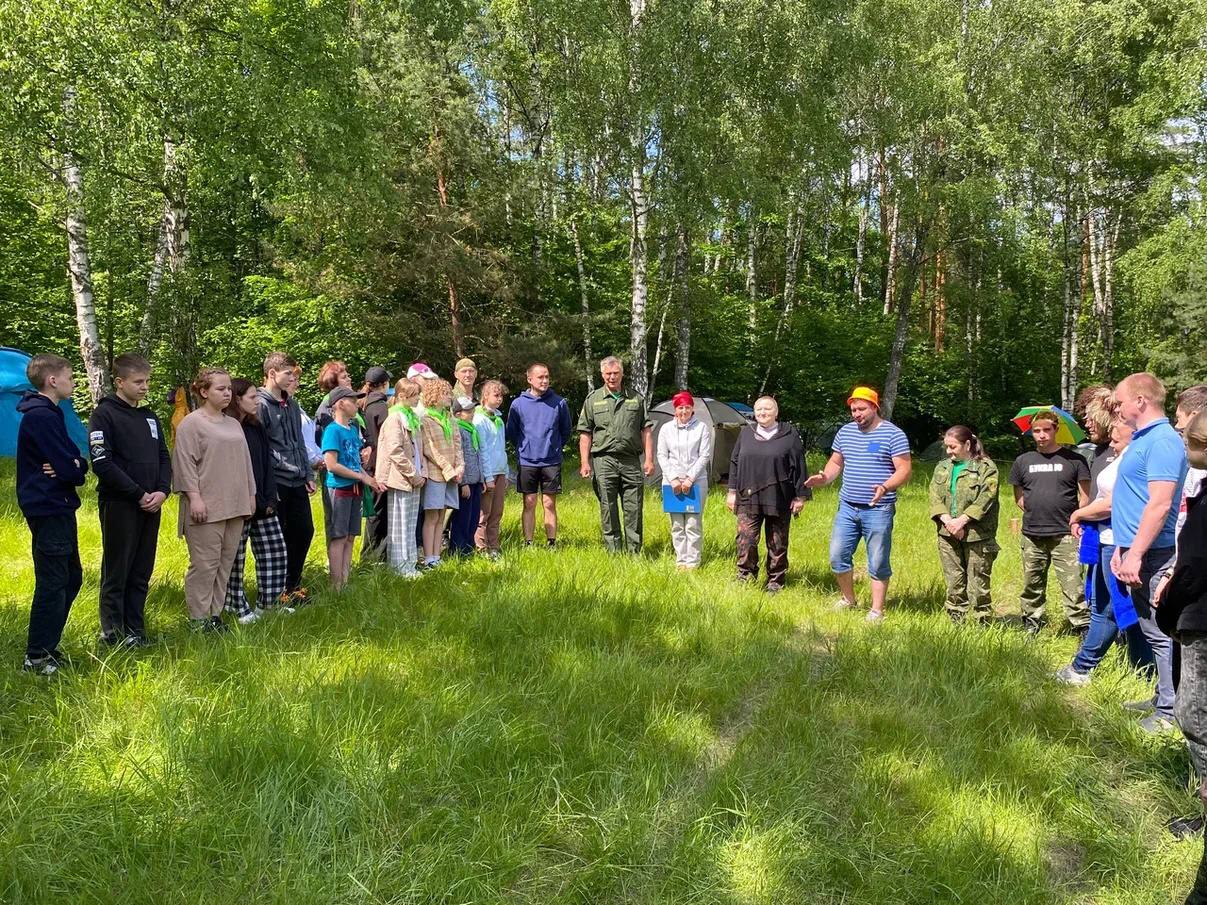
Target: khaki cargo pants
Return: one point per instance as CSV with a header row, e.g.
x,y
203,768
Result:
x,y
1061,554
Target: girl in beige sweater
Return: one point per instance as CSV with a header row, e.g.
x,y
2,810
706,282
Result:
x,y
211,470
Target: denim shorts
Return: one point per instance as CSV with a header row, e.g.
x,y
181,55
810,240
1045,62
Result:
x,y
345,515
874,524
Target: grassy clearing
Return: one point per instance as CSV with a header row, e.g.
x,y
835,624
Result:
x,y
576,727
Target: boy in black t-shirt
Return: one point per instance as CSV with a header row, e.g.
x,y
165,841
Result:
x,y
1049,485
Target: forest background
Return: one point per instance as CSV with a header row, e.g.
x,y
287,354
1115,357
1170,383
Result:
x,y
973,205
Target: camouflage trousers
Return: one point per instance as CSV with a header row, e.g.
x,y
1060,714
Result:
x,y
1061,554
967,567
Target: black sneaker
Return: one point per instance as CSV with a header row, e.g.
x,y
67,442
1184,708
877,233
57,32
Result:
x,y
1185,827
111,639
215,626
551,542
41,666
1032,627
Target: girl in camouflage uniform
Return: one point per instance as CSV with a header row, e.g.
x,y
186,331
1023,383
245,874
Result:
x,y
964,507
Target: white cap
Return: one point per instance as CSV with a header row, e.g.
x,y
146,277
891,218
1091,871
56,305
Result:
x,y
419,369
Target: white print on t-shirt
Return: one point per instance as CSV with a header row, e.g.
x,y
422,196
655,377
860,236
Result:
x,y
154,425
1046,466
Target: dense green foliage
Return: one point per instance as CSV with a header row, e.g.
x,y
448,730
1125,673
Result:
x,y
580,727
996,202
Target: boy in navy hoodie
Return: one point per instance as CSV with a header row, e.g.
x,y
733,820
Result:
x,y
49,469
133,478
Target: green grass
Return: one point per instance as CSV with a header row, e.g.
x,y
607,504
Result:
x,y
578,727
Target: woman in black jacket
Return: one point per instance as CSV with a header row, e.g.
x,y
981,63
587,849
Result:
x,y
1182,612
766,489
263,528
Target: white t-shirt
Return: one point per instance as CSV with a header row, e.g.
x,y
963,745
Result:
x,y
1106,484
1193,484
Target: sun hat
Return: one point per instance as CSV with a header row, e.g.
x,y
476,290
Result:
x,y
866,394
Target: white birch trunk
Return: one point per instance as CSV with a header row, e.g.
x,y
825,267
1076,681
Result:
x,y
683,332
890,278
588,356
79,268
897,355
172,243
638,264
752,280
792,242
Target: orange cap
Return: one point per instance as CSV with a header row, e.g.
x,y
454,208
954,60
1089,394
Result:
x,y
867,394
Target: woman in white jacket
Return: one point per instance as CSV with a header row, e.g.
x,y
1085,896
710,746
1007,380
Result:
x,y
684,451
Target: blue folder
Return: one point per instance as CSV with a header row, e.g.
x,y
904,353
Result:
x,y
681,502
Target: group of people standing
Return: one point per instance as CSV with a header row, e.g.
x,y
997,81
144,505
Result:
x,y
247,459
415,467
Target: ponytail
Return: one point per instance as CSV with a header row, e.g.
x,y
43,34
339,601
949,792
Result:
x,y
964,434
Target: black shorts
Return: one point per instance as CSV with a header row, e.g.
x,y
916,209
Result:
x,y
540,479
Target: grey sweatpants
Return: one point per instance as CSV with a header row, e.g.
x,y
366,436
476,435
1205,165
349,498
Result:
x,y
687,537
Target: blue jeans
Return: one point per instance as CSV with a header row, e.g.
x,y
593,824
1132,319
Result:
x,y
1102,632
1154,562
874,524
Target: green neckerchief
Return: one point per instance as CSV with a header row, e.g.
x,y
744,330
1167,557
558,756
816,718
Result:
x,y
442,418
610,395
956,468
473,431
408,415
495,419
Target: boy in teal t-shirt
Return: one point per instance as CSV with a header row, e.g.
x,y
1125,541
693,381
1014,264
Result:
x,y
341,451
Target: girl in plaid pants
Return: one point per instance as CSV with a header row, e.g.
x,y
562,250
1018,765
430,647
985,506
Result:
x,y
263,528
400,468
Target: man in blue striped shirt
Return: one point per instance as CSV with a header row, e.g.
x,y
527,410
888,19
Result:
x,y
873,457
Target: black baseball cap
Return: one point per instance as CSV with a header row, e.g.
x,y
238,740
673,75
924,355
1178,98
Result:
x,y
343,393
377,374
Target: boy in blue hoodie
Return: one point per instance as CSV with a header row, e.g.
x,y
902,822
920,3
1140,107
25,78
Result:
x,y
49,469
538,426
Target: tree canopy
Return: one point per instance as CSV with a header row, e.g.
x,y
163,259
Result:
x,y
970,205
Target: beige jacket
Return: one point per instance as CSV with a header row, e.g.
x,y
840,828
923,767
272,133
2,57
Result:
x,y
443,456
396,454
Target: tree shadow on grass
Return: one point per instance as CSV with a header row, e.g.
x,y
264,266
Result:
x,y
925,766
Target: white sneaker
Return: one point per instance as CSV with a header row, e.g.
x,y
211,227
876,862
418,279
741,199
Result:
x,y
843,604
875,616
249,618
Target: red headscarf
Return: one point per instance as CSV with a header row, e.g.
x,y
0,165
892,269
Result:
x,y
682,398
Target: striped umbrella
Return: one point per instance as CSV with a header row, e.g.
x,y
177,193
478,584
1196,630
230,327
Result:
x,y
1068,431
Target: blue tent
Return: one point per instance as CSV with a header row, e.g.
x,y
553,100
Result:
x,y
12,385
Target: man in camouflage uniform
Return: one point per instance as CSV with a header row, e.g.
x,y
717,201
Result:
x,y
1050,484
615,430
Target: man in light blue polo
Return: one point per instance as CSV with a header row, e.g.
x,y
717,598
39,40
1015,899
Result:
x,y
873,456
1144,518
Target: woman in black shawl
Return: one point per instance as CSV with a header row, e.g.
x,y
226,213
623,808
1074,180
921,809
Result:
x,y
766,489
